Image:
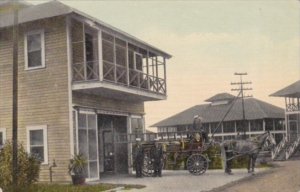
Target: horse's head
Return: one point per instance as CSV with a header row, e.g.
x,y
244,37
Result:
x,y
270,142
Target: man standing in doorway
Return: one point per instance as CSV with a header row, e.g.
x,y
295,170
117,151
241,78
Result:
x,y
139,158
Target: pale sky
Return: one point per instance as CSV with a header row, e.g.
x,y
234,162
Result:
x,y
210,41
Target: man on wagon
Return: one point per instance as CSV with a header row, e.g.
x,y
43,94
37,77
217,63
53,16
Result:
x,y
198,128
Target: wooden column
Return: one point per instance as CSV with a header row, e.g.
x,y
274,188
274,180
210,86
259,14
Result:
x,y
157,81
100,55
127,64
165,75
147,63
115,63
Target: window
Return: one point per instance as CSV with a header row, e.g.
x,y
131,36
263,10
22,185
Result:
x,y
256,125
138,61
269,125
229,127
2,137
121,55
37,142
137,125
215,128
34,50
279,124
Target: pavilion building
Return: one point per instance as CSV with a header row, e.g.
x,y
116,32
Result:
x,y
259,117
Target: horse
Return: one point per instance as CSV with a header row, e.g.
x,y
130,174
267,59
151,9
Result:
x,y
250,147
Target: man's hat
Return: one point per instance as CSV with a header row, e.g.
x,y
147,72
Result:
x,y
196,116
138,139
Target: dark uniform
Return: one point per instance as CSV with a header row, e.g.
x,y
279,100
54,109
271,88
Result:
x,y
157,157
197,127
229,155
139,160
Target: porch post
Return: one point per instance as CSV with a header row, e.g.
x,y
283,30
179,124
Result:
x,y
165,75
127,64
84,51
115,63
100,55
157,80
129,132
147,63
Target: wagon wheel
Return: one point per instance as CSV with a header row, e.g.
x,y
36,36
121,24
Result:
x,y
197,164
148,169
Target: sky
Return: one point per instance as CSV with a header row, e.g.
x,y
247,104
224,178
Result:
x,y
210,40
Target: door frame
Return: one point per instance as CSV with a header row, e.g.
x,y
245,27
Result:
x,y
88,112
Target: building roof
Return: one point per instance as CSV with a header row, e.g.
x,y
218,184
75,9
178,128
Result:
x,y
56,8
292,90
254,109
220,97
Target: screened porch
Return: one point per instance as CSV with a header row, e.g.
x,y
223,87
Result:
x,y
102,55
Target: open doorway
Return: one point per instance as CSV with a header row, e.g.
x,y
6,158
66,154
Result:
x,y
113,156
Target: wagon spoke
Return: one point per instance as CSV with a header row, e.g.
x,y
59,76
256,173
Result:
x,y
197,164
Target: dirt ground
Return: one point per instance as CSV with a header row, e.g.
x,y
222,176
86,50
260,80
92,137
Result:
x,y
285,177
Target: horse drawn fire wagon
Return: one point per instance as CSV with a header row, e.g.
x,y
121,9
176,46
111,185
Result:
x,y
188,148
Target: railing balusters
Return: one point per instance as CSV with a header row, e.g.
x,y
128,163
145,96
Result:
x,y
90,71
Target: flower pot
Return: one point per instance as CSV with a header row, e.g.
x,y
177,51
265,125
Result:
x,y
78,179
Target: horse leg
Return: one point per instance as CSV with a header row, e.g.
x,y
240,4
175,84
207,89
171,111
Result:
x,y
253,162
249,163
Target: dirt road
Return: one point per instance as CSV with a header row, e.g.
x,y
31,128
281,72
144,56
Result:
x,y
285,177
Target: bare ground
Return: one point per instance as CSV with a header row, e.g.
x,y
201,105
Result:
x,y
284,177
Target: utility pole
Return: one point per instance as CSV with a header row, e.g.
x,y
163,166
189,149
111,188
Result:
x,y
241,90
15,96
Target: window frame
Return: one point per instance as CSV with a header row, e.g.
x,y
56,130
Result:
x,y
45,140
40,32
3,131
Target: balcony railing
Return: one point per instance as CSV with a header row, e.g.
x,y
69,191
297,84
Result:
x,y
133,78
85,71
291,107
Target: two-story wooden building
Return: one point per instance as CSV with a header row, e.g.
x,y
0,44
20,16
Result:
x,y
81,82
290,144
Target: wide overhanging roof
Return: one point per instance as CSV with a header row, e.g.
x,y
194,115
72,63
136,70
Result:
x,y
292,90
254,109
56,8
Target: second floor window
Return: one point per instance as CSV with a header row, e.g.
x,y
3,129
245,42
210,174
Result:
x,y
34,50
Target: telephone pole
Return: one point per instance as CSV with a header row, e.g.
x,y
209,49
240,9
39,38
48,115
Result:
x,y
241,90
15,96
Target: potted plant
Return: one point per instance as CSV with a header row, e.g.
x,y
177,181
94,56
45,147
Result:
x,y
77,169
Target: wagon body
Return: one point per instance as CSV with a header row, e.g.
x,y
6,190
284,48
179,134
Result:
x,y
188,150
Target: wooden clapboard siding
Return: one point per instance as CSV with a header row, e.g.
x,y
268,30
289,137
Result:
x,y
99,102
43,93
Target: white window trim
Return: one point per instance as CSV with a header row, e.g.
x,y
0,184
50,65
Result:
x,y
3,131
42,33
45,139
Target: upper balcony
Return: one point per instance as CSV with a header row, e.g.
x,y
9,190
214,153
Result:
x,y
109,64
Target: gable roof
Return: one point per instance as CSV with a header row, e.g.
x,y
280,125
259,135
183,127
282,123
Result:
x,y
254,109
56,8
220,97
292,90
